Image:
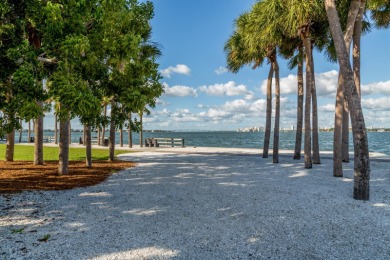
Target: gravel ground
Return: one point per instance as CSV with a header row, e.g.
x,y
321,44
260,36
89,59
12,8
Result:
x,y
204,206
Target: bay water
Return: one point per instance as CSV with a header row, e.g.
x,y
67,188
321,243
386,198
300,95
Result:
x,y
378,141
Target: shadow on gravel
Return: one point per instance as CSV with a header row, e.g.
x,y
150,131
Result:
x,y
205,207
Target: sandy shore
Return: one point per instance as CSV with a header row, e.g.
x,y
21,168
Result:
x,y
204,203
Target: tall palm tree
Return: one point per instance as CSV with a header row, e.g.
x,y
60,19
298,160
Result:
x,y
341,127
361,155
250,44
292,49
305,18
238,55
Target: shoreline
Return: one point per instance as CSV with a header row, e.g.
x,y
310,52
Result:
x,y
210,150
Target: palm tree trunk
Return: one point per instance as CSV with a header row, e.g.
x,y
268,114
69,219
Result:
x,y
298,137
141,134
88,146
341,130
307,148
112,132
357,33
38,140
337,134
358,13
361,189
345,133
316,143
10,147
63,160
267,133
55,128
129,133
275,153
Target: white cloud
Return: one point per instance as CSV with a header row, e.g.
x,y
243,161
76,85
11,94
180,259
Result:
x,y
162,102
179,69
377,104
326,84
382,87
228,89
221,70
179,91
327,108
238,105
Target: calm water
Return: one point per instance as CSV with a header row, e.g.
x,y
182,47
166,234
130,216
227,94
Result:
x,y
378,141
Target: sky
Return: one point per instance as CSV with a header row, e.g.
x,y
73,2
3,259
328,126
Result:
x,y
200,94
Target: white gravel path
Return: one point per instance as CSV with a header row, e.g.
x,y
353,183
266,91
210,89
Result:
x,y
204,206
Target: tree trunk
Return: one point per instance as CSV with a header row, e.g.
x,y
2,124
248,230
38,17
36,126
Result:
x,y
316,143
99,131
298,137
307,148
275,153
130,133
88,146
345,133
56,128
70,133
267,133
361,152
63,162
20,131
357,33
84,134
10,147
121,137
38,140
339,133
104,126
29,132
141,132
112,132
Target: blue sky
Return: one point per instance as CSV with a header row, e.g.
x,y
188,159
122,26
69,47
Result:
x,y
201,95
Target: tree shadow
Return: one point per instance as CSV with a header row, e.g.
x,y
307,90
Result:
x,y
201,207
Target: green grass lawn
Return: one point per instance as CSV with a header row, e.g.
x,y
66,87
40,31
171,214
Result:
x,y
26,153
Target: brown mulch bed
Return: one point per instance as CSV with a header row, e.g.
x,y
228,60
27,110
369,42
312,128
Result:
x,y
22,175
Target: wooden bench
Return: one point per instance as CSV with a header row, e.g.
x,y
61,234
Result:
x,y
48,139
157,142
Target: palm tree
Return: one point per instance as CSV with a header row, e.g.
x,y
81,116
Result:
x,y
361,155
305,18
341,127
292,49
248,45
